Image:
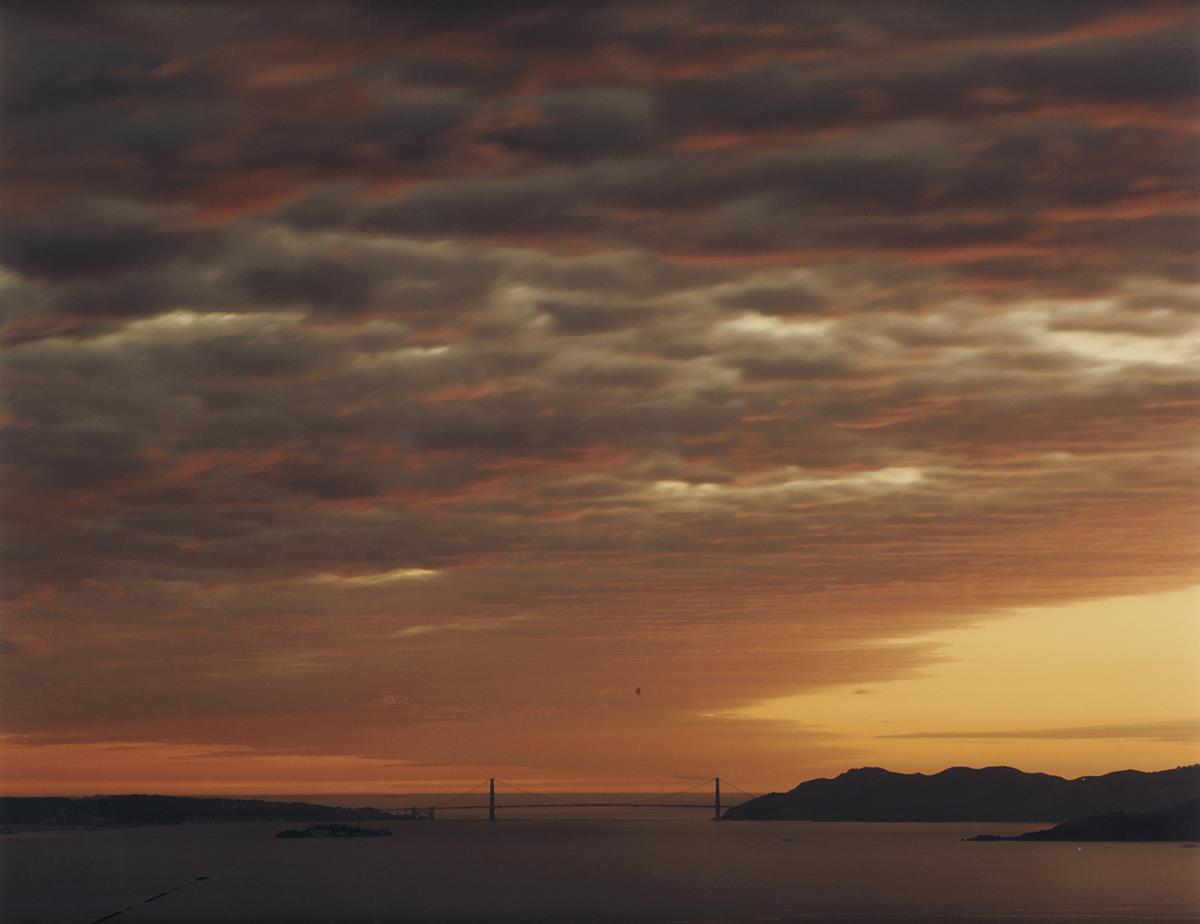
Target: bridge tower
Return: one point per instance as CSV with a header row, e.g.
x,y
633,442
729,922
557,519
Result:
x,y
716,798
492,799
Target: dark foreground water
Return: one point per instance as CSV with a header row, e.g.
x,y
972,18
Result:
x,y
635,866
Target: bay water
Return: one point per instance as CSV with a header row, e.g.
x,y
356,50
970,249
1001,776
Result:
x,y
619,864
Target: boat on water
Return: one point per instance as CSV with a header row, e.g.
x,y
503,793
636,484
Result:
x,y
335,831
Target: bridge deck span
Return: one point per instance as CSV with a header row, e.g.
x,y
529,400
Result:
x,y
549,802
551,805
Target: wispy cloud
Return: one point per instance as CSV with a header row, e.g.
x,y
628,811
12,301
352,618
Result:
x,y
1181,730
464,625
375,580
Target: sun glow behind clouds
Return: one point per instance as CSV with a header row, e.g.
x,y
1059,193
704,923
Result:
x,y
992,697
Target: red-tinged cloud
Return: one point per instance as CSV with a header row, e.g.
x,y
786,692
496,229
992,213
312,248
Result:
x,y
462,373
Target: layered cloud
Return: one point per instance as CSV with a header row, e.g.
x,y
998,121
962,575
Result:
x,y
415,367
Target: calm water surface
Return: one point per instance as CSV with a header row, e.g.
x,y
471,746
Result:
x,y
636,866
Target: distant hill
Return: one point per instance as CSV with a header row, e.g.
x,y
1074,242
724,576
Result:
x,y
120,811
1178,823
967,794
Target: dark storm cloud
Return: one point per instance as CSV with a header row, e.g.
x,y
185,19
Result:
x,y
330,285
354,354
781,300
73,457
585,125
139,294
268,354
557,202
942,18
591,319
61,70
832,196
324,481
1158,68
766,98
416,127
799,367
78,248
507,206
1161,66
436,18
985,20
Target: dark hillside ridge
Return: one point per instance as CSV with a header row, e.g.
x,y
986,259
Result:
x,y
1178,823
967,794
119,811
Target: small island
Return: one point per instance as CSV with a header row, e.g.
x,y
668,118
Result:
x,y
335,831
1177,823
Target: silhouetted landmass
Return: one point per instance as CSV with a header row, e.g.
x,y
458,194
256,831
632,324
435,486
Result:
x,y
966,794
17,813
1177,823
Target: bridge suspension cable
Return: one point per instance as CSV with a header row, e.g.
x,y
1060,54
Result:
x,y
693,787
725,782
478,786
536,795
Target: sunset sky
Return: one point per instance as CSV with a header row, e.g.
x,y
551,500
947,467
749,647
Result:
x,y
394,390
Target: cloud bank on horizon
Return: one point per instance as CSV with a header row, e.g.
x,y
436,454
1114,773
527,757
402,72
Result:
x,y
415,381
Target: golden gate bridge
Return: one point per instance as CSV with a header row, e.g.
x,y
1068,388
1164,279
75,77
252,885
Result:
x,y
452,804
